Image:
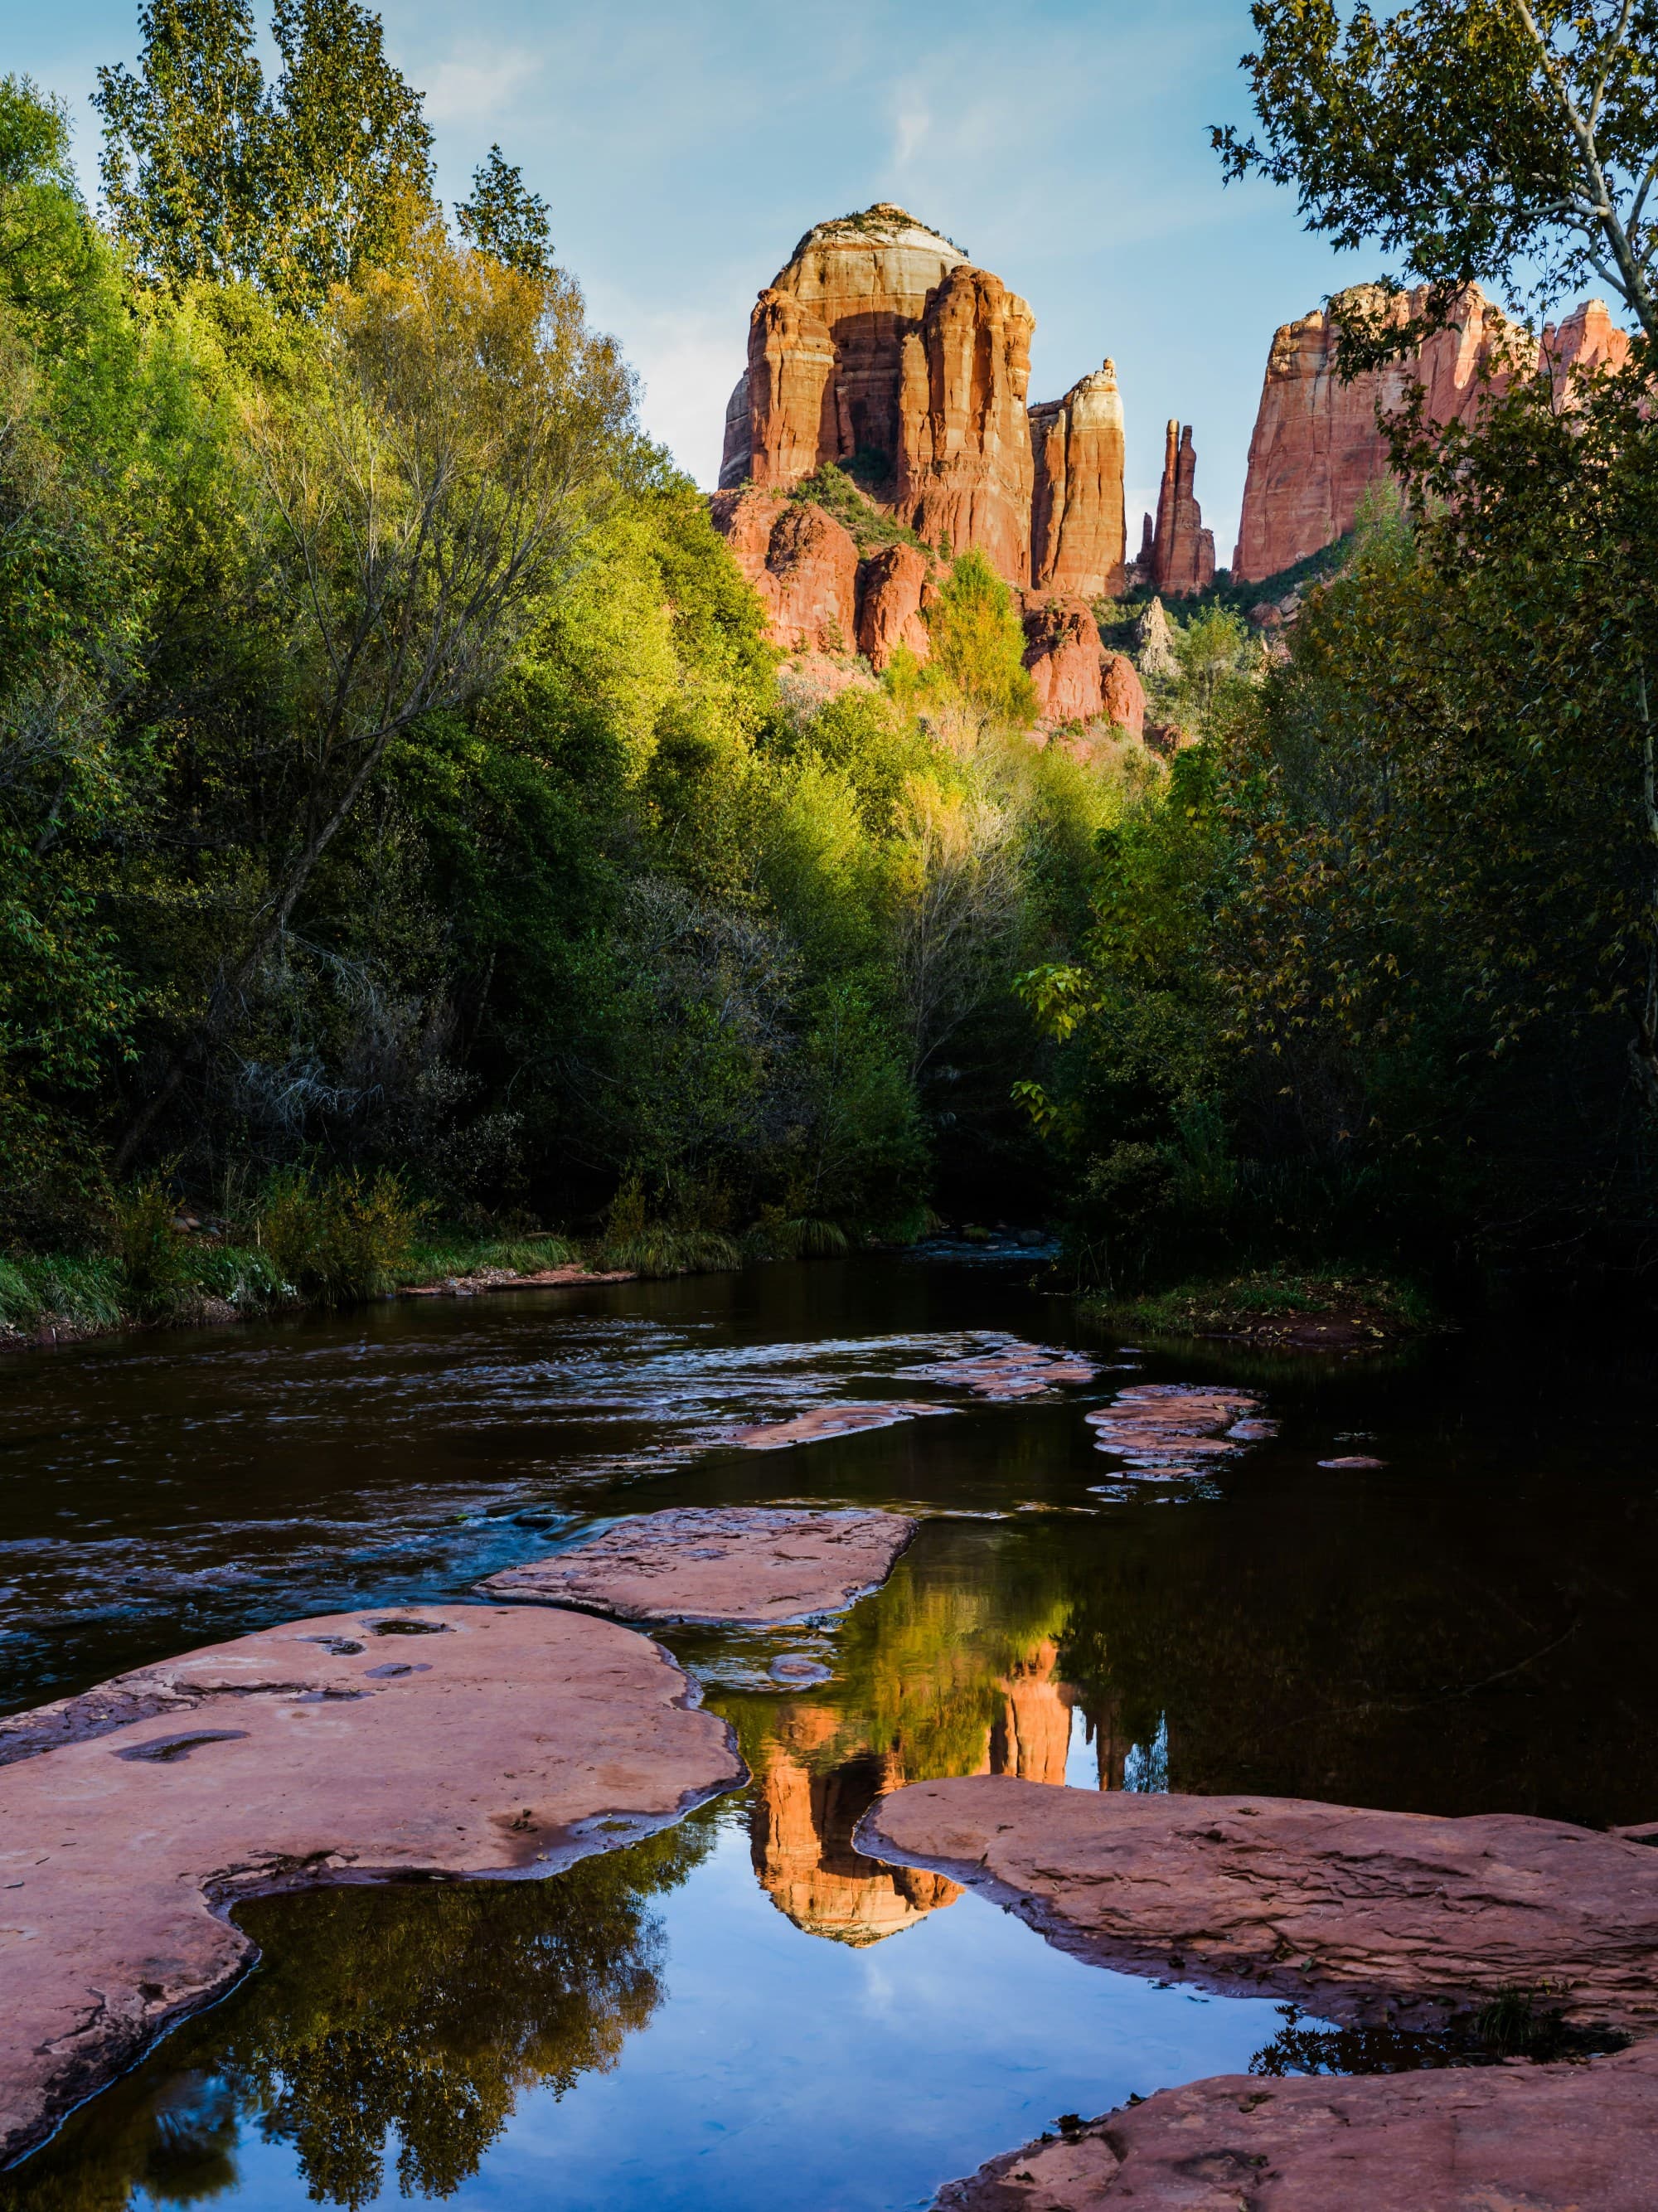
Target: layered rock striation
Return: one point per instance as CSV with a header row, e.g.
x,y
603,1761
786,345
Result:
x,y
1318,444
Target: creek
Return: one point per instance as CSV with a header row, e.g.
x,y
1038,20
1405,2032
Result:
x,y
744,2012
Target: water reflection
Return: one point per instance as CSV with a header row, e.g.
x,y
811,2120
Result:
x,y
399,2023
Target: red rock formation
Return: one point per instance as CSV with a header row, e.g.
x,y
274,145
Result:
x,y
1076,523
879,342
1515,2138
896,585
1587,339
1062,652
1260,1892
759,1565
1182,552
1317,445
800,561
965,461
1123,693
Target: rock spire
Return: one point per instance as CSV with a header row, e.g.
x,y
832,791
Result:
x,y
1180,552
1076,523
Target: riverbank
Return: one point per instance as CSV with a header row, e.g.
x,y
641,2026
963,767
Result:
x,y
60,1298
1331,1309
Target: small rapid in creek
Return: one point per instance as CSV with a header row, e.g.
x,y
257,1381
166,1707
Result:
x,y
1416,1582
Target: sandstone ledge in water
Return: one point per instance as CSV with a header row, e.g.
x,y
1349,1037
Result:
x,y
1360,1915
1510,2138
750,1566
430,1741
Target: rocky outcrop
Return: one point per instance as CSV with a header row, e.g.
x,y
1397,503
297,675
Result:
x,y
896,583
802,564
1587,340
463,1740
757,1565
1359,1915
964,460
1318,446
1076,522
1122,693
1062,652
1563,2138
880,346
1154,641
1177,556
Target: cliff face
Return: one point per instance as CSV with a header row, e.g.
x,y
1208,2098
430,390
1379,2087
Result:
x,y
1316,446
1076,522
1179,555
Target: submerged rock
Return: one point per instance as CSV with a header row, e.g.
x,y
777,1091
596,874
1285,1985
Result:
x,y
1363,1915
832,1421
1011,1370
1160,1428
753,1566
438,1741
1571,2138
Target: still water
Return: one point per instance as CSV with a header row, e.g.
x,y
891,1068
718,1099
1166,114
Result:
x,y
744,2013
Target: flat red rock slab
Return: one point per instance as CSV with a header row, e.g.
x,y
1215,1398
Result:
x,y
1159,1425
1013,1371
1365,1915
459,1740
833,1421
1354,1460
1514,2138
753,1566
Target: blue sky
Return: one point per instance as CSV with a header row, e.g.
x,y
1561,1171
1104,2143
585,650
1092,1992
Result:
x,y
684,145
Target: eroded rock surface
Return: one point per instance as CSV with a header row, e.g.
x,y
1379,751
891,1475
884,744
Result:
x,y
461,1740
1361,1915
1514,2138
1062,652
755,1566
802,564
1167,1428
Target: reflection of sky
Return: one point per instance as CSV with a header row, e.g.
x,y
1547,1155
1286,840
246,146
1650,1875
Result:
x,y
684,145
782,2073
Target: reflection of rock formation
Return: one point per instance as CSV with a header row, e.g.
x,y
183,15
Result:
x,y
802,1844
1032,1734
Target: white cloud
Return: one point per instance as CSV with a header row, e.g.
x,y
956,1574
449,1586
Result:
x,y
687,362
479,87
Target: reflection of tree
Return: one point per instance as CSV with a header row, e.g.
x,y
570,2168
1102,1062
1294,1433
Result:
x,y
417,2011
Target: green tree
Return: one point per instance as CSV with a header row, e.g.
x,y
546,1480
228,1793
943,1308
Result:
x,y
209,173
504,218
1509,139
350,160
976,646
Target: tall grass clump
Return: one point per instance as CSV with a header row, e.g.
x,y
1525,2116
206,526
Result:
x,y
151,1257
634,1242
336,1239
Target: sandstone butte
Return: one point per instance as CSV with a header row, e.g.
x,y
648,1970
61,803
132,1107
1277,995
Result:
x,y
465,1739
879,347
1317,449
1362,1915
756,1567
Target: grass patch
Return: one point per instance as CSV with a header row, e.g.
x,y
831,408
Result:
x,y
1335,1306
435,1257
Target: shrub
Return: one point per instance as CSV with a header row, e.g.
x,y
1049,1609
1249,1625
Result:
x,y
338,1238
150,1252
